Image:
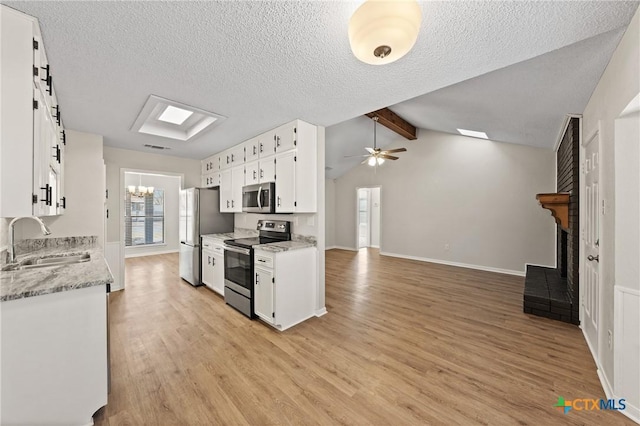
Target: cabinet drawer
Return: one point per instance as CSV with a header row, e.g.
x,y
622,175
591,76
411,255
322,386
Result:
x,y
263,261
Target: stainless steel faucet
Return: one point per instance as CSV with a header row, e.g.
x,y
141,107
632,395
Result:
x,y
12,250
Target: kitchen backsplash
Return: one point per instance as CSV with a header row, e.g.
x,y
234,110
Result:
x,y
302,224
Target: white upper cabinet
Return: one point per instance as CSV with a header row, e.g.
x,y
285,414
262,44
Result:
x,y
251,150
32,135
285,137
285,182
266,144
211,164
260,171
286,155
231,183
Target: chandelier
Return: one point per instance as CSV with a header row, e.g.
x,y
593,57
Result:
x,y
140,191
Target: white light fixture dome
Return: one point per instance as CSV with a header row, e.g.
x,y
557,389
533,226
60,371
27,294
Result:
x,y
383,31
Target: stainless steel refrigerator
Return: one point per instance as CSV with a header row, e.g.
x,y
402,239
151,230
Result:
x,y
199,215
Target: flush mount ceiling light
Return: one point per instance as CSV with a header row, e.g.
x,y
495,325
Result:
x,y
473,133
174,120
383,31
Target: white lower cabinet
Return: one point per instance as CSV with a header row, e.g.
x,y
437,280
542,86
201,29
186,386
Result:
x,y
285,286
213,265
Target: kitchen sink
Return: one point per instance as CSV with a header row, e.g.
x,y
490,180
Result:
x,y
44,262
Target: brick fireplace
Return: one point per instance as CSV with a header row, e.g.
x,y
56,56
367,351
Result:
x,y
554,292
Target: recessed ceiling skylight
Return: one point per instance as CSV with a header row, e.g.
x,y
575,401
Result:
x,y
473,133
175,115
171,119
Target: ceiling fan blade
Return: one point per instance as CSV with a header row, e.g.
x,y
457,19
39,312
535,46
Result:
x,y
351,156
388,157
366,160
370,150
389,151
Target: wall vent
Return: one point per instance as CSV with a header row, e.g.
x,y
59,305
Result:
x,y
156,146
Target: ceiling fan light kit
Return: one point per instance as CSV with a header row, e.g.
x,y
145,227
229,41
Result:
x,y
377,156
383,31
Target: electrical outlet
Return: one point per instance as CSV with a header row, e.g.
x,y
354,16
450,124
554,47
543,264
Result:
x,y
610,339
446,247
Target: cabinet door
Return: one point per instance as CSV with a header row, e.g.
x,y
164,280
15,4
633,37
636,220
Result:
x,y
237,155
225,160
45,140
251,150
285,182
263,295
217,260
285,137
267,144
237,182
252,173
207,268
225,191
267,172
211,180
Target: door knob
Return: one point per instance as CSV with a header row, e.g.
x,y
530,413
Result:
x,y
592,258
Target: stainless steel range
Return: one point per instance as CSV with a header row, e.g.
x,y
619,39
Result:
x,y
238,263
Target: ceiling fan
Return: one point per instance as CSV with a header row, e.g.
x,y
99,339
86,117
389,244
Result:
x,y
376,156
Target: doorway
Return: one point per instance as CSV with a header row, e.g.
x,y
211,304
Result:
x,y
368,217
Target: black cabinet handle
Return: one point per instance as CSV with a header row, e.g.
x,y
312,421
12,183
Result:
x,y
57,154
64,205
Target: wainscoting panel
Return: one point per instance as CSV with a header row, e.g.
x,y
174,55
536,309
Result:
x,y
627,349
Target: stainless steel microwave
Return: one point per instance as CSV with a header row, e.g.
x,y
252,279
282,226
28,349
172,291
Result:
x,y
259,198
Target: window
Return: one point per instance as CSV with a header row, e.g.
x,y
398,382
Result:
x,y
144,218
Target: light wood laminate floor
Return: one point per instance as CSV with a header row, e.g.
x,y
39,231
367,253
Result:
x,y
404,343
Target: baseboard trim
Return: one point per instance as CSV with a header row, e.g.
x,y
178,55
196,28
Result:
x,y
458,264
147,253
375,247
321,312
330,247
342,248
632,412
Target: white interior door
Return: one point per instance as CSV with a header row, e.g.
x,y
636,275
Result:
x,y
591,243
364,218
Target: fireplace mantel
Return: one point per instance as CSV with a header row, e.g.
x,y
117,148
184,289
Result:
x,y
558,204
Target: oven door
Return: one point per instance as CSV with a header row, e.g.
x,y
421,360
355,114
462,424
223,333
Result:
x,y
259,198
238,270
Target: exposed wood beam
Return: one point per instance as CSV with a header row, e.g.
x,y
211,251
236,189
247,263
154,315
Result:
x,y
393,121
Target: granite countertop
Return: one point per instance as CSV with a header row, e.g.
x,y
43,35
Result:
x,y
284,246
237,233
298,241
19,284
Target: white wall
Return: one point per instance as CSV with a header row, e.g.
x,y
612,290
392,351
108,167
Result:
x,y
330,221
171,186
116,159
476,196
84,184
617,87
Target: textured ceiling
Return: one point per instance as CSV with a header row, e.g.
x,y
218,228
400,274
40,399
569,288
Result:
x,y
262,64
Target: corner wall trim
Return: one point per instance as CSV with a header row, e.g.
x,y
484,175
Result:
x,y
458,264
